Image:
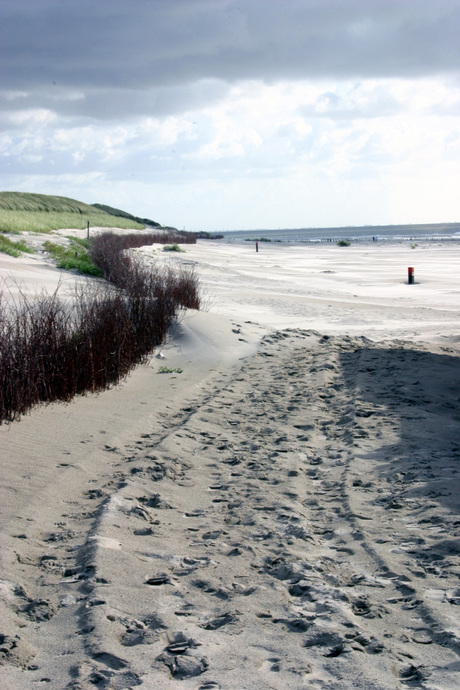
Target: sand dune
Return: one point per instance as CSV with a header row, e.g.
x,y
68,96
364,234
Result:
x,y
284,513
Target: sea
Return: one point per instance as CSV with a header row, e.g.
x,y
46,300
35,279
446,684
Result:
x,y
437,232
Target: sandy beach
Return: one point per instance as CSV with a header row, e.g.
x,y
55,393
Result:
x,y
281,513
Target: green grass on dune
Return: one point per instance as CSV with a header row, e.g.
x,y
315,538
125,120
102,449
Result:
x,y
173,248
73,257
15,249
46,221
24,201
123,214
21,212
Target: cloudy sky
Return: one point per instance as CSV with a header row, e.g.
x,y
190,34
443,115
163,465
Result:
x,y
226,114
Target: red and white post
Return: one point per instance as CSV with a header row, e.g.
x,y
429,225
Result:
x,y
410,275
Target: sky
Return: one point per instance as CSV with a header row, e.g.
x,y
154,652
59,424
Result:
x,y
223,114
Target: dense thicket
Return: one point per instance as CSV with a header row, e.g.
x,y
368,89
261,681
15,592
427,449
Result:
x,y
108,251
51,349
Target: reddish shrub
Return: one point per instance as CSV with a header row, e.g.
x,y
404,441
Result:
x,y
52,351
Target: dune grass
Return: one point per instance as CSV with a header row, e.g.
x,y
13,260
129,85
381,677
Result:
x,y
45,221
172,248
123,214
24,212
13,248
26,201
74,257
169,370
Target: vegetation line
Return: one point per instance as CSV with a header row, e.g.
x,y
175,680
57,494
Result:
x,y
74,257
13,248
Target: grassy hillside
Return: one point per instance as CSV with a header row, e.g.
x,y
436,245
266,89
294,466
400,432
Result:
x,y
123,214
22,201
23,212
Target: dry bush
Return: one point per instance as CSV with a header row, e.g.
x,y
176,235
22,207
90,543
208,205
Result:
x,y
52,350
107,249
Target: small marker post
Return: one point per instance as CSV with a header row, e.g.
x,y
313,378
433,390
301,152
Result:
x,y
410,275
87,231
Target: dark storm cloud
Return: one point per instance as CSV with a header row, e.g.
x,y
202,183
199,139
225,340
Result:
x,y
144,44
115,104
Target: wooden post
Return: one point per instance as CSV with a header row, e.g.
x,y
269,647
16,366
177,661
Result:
x,y
87,231
410,276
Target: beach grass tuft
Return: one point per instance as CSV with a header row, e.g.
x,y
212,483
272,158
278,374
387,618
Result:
x,y
13,248
169,370
73,257
172,248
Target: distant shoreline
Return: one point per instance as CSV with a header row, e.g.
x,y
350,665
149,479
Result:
x,y
334,240
434,232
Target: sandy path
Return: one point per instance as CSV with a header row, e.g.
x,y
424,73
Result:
x,y
285,529
287,519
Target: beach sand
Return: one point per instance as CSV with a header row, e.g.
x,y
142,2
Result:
x,y
283,513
